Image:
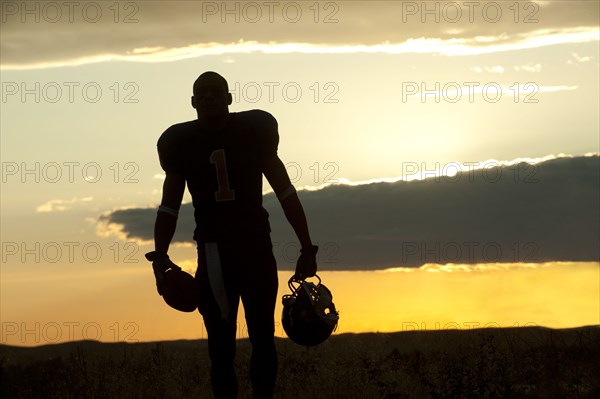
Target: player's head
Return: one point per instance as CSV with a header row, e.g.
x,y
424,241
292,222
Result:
x,y
211,95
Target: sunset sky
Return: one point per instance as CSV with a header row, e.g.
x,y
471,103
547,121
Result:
x,y
447,154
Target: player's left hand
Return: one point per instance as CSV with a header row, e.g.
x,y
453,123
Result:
x,y
307,262
160,264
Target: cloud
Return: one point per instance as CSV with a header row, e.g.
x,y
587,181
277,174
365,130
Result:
x,y
493,69
529,67
166,31
581,59
577,59
507,213
59,205
479,267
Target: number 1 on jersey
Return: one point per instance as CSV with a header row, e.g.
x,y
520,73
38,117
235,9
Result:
x,y
223,193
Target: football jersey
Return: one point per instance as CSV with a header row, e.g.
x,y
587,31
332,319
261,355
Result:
x,y
223,171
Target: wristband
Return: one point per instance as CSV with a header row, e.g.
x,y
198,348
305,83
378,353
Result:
x,y
286,193
169,211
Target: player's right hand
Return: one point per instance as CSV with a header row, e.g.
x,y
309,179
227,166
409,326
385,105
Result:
x,y
160,264
307,263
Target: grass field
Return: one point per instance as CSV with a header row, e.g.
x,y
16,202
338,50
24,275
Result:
x,y
481,363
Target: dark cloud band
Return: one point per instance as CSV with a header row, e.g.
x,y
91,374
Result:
x,y
519,213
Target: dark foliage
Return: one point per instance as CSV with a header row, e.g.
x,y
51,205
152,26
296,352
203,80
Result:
x,y
487,363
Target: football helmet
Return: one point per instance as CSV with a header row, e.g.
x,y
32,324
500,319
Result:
x,y
181,290
309,315
178,288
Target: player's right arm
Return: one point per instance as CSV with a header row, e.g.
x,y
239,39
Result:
x,y
169,154
169,148
164,227
166,217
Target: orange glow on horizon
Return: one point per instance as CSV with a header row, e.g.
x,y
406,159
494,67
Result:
x,y
126,308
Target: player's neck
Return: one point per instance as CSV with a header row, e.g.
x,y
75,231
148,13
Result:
x,y
213,122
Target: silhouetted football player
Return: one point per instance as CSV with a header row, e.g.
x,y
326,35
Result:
x,y
222,156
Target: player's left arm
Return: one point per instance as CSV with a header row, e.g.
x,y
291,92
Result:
x,y
276,174
279,180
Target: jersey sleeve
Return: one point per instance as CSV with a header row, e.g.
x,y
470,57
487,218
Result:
x,y
270,163
168,155
268,137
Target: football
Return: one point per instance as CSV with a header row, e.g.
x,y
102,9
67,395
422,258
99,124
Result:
x,y
181,290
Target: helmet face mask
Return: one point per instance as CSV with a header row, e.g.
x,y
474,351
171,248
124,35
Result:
x,y
309,316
